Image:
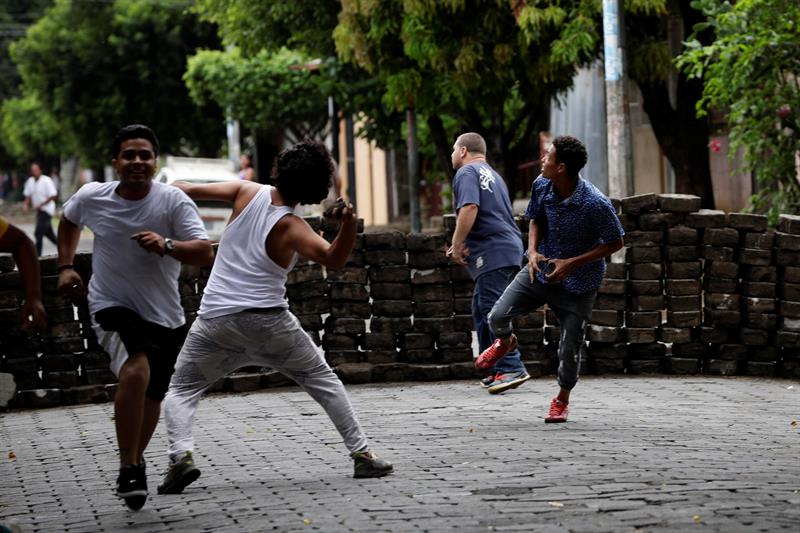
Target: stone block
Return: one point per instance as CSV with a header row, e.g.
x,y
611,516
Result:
x,y
463,290
790,291
759,241
633,205
379,341
607,366
761,320
679,203
650,288
58,362
787,339
715,335
641,335
38,398
456,355
354,373
721,237
534,319
311,306
643,254
684,270
433,309
392,308
416,341
763,353
94,359
706,218
462,306
85,394
604,334
658,220
731,352
747,221
390,291
389,274
752,256
629,222
789,224
425,242
433,325
645,239
681,365
604,317
722,269
430,276
791,274
307,290
787,258
552,334
754,337
718,285
719,253
60,379
357,275
343,326
391,372
385,240
616,270
385,257
684,319
682,253
432,293
529,337
759,305
22,365
463,323
610,301
427,260
768,274
390,324
455,339
684,303
348,292
351,309
332,342
379,357
682,287
615,286
652,351
767,369
305,273
722,301
642,319
429,372
692,350
722,319
760,290
599,350
419,355
338,357
682,235
99,376
645,366
672,335
721,367
638,271
646,303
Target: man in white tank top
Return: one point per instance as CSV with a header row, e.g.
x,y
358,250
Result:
x,y
244,317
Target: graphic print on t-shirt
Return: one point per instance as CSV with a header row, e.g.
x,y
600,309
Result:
x,y
486,179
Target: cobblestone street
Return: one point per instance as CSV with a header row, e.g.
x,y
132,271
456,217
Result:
x,y
638,454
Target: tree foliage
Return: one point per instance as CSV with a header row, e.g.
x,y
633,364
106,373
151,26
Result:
x,y
751,71
99,65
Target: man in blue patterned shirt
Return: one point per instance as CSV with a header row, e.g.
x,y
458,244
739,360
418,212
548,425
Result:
x,y
573,228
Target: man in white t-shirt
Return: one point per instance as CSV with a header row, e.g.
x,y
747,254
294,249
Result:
x,y
40,193
143,231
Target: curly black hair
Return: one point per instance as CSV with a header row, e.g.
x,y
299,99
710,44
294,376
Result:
x,y
133,131
571,152
303,173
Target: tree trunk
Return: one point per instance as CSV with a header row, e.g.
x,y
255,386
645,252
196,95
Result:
x,y
443,145
682,136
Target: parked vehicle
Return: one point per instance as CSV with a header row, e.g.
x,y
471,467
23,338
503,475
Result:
x,y
215,214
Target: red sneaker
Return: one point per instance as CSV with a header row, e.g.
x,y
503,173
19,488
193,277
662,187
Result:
x,y
558,412
495,352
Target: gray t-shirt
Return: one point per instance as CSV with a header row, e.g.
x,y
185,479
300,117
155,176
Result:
x,y
494,241
123,273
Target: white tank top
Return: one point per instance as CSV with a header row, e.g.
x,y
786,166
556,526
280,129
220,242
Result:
x,y
244,277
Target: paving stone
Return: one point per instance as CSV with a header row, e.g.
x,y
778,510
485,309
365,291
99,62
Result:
x,y
706,218
748,221
679,203
789,224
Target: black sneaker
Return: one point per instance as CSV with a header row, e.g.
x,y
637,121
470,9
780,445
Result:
x,y
367,464
505,382
132,486
180,474
487,381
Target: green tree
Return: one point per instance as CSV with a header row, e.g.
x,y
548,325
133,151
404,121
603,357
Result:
x,y
751,71
29,131
99,65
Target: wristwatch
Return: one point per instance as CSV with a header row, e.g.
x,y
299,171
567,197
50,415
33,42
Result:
x,y
169,246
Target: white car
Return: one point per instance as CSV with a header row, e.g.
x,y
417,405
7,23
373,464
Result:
x,y
215,214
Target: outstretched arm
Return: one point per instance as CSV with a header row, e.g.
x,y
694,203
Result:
x,y
237,192
16,242
299,236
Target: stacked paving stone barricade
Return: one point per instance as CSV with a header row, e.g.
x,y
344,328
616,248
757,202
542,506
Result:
x,y
699,291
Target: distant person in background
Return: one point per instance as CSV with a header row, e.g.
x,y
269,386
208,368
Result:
x,y
246,170
13,240
40,193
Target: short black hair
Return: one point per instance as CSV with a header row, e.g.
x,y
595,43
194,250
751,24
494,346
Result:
x,y
571,152
473,142
133,131
303,173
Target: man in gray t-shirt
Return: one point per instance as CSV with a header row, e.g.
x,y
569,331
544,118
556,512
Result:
x,y
488,242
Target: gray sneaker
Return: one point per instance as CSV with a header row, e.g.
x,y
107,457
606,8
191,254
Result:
x,y
505,382
367,464
179,475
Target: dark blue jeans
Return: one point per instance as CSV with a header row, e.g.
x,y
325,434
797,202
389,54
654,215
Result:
x,y
488,289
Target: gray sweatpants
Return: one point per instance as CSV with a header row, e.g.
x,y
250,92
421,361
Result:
x,y
572,310
272,338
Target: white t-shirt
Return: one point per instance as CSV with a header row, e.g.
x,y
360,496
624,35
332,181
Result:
x,y
124,274
39,191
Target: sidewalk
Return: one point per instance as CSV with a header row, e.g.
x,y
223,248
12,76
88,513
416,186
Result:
x,y
639,454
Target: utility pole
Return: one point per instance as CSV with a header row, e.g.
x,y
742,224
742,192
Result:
x,y
413,171
620,175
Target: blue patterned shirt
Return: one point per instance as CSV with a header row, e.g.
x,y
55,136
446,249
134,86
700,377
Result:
x,y
573,226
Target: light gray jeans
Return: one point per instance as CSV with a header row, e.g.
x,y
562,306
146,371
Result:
x,y
272,338
572,310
